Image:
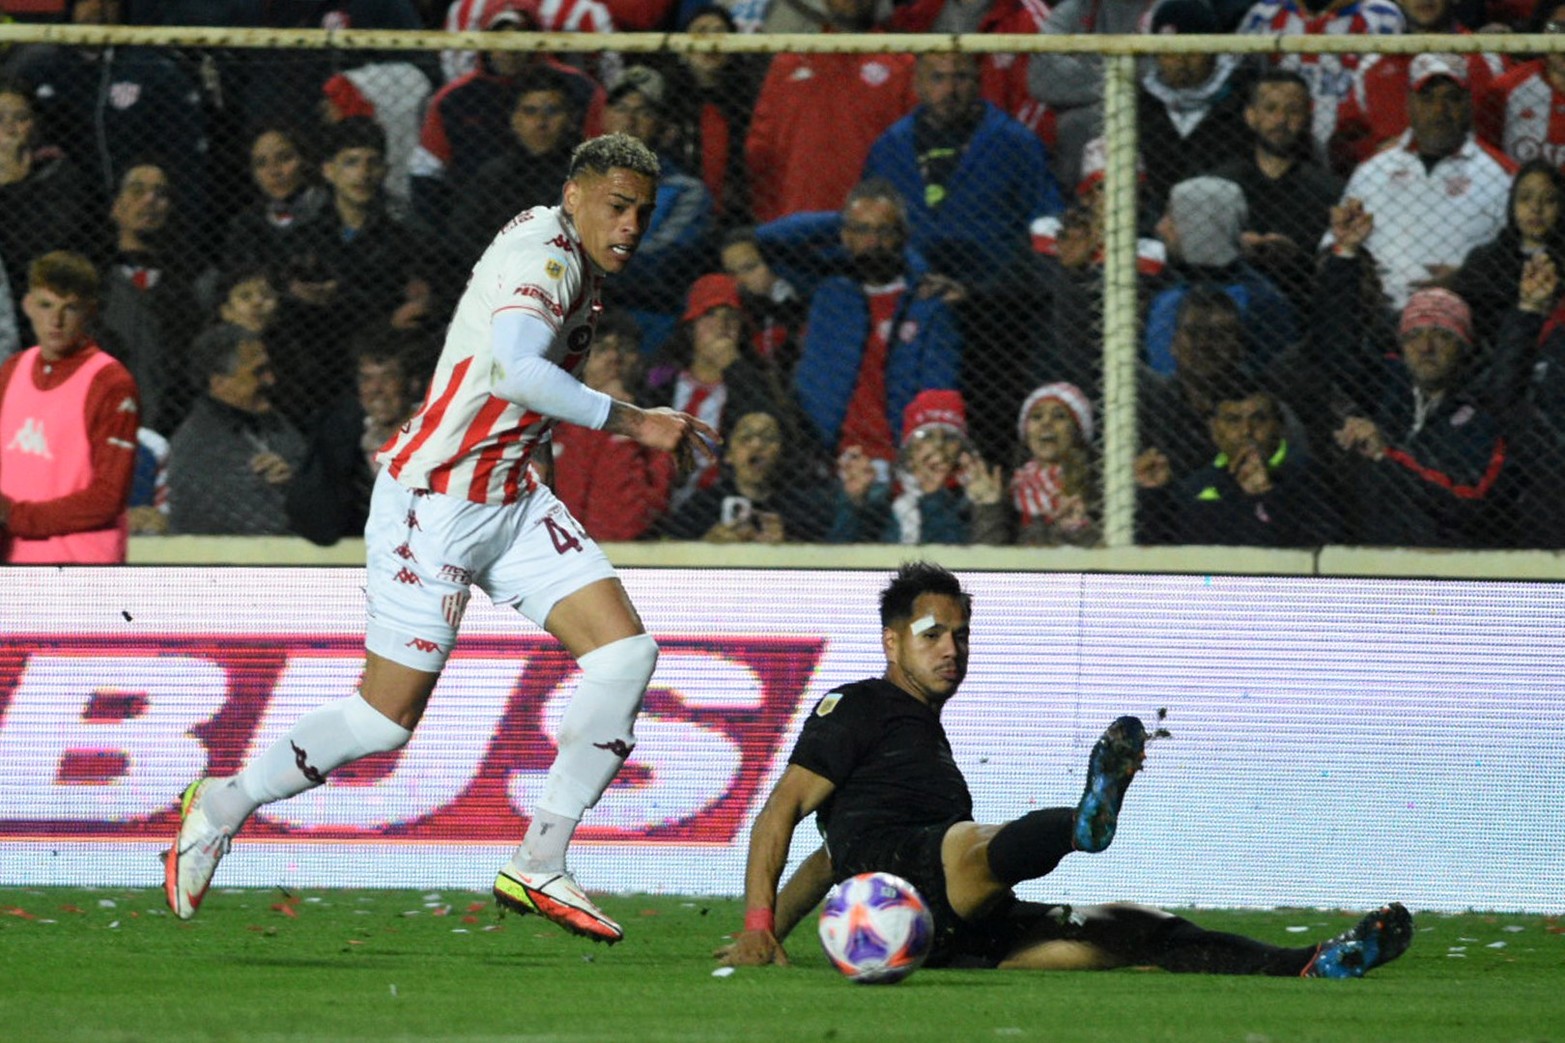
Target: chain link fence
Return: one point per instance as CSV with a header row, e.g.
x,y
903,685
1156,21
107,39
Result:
x,y
1227,294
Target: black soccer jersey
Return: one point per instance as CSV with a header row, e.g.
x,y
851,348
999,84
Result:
x,y
890,760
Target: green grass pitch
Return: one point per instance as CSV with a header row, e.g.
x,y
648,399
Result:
x,y
112,965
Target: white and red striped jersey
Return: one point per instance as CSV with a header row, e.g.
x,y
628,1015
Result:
x,y
554,16
1330,76
1524,115
464,440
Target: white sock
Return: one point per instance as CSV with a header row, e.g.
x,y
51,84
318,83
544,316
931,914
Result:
x,y
327,737
596,734
543,848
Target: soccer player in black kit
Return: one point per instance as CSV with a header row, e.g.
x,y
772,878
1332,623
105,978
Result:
x,y
874,765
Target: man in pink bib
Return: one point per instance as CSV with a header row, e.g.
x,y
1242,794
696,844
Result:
x,y
68,419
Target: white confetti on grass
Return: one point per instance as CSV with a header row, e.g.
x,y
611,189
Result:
x,y
1495,945
722,972
1295,929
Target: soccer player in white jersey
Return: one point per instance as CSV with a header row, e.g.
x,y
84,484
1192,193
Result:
x,y
462,500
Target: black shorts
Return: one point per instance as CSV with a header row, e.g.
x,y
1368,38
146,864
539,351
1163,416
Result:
x,y
914,855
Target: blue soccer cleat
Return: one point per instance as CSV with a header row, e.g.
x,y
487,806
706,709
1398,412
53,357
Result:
x,y
1115,759
1379,938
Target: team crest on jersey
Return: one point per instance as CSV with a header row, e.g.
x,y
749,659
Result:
x,y
828,704
454,606
553,269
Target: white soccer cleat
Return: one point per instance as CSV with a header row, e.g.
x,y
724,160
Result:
x,y
192,859
557,897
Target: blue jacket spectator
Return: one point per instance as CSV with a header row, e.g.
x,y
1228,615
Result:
x,y
972,224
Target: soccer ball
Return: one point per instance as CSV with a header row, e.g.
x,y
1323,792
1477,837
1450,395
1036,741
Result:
x,y
876,928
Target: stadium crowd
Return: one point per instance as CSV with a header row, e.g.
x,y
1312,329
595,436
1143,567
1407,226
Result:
x,y
878,275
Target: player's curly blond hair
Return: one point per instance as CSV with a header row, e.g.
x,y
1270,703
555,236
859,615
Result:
x,y
610,151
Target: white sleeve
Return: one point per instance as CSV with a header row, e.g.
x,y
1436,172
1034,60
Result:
x,y
522,374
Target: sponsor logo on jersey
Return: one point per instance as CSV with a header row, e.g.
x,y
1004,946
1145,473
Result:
x,y
456,574
423,644
562,243
30,439
520,219
541,295
407,575
553,268
404,552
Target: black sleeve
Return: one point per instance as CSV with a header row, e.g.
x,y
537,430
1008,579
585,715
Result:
x,y
832,741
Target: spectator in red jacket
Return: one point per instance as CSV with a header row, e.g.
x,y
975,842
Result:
x,y
817,116
616,488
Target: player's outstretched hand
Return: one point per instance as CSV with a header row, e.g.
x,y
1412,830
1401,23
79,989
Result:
x,y
689,438
752,949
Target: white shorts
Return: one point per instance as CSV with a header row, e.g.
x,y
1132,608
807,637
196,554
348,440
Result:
x,y
425,551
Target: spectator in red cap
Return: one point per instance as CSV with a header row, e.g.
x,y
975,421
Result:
x,y
1054,495
1435,463
706,369
926,501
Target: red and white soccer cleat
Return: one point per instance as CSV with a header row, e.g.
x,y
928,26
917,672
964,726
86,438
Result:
x,y
555,896
193,857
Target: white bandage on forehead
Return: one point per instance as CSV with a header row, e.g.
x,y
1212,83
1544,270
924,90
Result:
x,y
921,624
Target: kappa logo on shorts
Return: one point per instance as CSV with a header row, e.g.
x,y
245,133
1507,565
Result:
x,y
405,553
423,645
454,606
456,574
828,704
407,575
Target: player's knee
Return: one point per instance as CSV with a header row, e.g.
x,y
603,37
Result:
x,y
629,661
614,679
372,731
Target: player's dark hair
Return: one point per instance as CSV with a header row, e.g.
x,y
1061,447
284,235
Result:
x,y
353,132
617,322
65,273
881,189
1275,75
913,579
613,151
738,234
541,79
215,353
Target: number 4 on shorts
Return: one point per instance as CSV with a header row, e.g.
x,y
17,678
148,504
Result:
x,y
564,540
